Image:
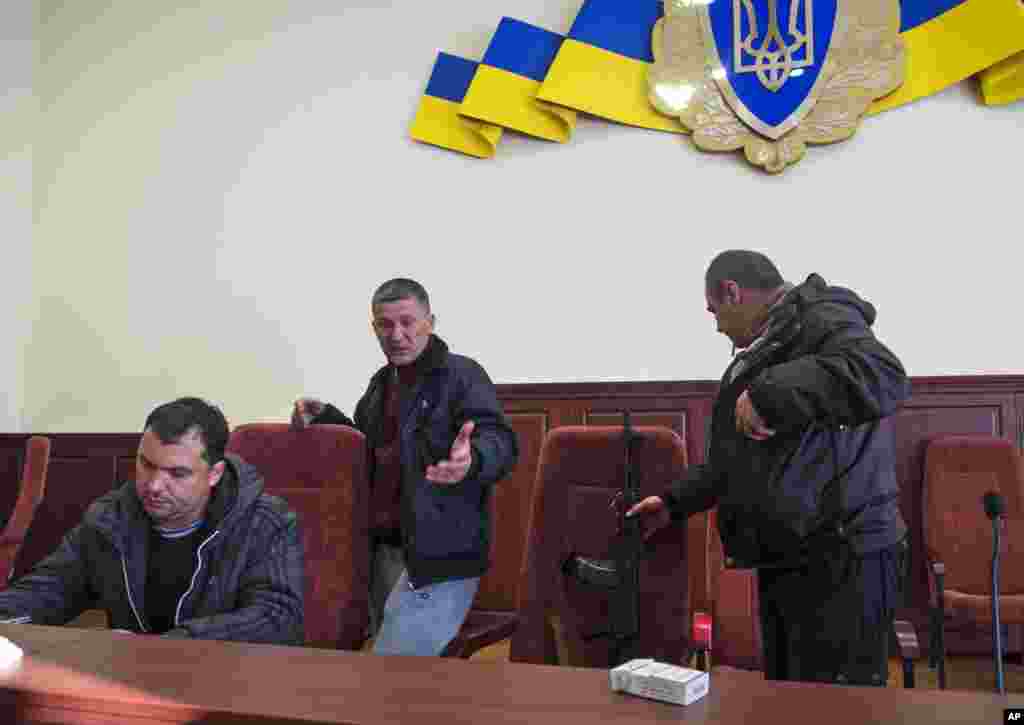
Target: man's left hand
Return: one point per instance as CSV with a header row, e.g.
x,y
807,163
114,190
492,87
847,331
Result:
x,y
748,421
460,458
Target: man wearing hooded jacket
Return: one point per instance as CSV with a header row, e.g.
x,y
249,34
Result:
x,y
438,442
801,468
192,548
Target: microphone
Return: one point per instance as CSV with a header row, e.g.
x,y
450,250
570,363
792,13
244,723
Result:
x,y
995,509
994,503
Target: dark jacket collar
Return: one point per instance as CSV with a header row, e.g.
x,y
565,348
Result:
x,y
433,357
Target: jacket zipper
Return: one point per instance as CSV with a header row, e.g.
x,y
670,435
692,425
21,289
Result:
x,y
128,588
195,575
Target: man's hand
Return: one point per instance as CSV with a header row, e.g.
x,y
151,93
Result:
x,y
655,514
460,458
749,422
305,410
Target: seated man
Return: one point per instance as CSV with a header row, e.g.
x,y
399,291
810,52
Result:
x,y
192,548
438,442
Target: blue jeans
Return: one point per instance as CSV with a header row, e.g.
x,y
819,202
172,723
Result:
x,y
422,621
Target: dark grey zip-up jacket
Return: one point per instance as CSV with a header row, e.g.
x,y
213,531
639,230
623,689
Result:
x,y
247,585
823,382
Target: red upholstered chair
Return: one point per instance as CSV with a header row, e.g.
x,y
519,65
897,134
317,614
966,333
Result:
x,y
581,468
959,470
321,473
481,628
736,618
30,495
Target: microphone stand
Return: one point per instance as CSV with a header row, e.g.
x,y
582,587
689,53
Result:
x,y
997,630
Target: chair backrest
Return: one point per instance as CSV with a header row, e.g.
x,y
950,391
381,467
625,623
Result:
x,y
959,471
30,495
321,473
509,515
581,468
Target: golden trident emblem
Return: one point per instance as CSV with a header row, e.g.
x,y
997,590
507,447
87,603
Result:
x,y
773,59
865,59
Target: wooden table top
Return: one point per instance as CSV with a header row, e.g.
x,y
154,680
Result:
x,y
90,676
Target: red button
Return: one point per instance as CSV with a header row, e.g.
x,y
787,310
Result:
x,y
702,630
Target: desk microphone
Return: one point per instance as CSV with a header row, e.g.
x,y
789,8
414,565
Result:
x,y
995,509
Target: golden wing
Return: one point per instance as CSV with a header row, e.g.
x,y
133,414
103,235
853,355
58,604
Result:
x,y
866,63
678,84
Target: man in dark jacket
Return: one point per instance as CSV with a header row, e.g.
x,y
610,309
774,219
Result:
x,y
802,469
192,548
438,442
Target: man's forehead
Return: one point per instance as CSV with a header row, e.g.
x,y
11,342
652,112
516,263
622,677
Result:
x,y
405,306
187,449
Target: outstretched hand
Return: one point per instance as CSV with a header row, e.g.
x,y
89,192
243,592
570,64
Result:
x,y
452,470
655,515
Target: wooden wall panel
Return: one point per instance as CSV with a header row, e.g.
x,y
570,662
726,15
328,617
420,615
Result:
x,y
913,427
124,468
83,466
87,465
989,404
72,484
11,461
927,415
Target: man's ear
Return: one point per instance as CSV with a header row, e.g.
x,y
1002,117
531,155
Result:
x,y
216,471
731,292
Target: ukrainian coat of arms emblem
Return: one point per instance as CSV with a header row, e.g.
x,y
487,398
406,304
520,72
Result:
x,y
771,76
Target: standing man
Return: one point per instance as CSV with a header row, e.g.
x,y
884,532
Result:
x,y
438,441
801,469
192,548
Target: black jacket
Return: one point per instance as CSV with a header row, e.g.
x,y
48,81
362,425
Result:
x,y
248,584
445,529
823,382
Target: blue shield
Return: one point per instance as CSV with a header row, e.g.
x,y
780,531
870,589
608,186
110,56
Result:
x,y
768,56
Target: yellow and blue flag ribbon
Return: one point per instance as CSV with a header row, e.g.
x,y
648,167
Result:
x,y
602,66
950,40
437,119
504,89
533,80
1004,82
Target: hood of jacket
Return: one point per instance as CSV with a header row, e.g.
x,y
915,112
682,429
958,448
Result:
x,y
815,290
119,515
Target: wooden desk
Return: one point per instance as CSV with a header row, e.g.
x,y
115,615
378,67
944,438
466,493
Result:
x,y
89,676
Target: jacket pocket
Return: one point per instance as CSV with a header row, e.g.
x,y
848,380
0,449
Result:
x,y
446,524
775,495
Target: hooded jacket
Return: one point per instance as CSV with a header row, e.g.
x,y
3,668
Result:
x,y
247,585
821,380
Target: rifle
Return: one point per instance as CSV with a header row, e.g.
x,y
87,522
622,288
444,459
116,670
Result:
x,y
621,574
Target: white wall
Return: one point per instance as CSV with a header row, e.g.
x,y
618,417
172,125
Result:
x,y
17,114
223,185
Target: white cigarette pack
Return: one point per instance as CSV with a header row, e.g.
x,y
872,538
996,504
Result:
x,y
10,656
660,681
